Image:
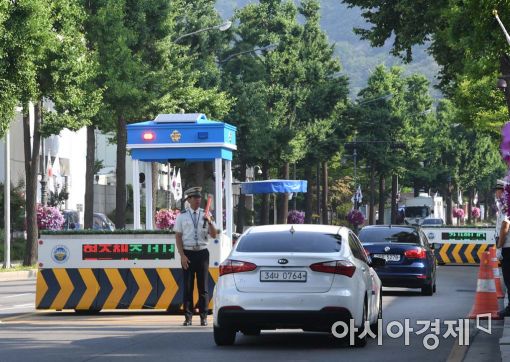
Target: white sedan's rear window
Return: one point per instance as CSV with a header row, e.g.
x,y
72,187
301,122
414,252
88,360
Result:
x,y
297,242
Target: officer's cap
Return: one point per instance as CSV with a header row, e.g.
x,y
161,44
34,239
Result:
x,y
500,185
193,191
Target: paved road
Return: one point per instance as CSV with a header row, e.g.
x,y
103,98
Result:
x,y
16,297
142,336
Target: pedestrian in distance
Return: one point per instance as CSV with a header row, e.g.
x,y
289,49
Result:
x,y
192,230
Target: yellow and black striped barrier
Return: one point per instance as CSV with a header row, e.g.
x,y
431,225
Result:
x,y
460,253
113,288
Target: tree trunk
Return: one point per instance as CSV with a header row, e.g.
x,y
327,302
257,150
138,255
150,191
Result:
x,y
382,199
120,192
416,188
309,194
470,205
154,189
89,177
241,205
371,211
294,177
264,217
449,206
394,186
488,203
318,192
325,203
31,167
283,204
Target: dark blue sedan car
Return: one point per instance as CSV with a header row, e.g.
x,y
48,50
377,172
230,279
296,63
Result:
x,y
410,261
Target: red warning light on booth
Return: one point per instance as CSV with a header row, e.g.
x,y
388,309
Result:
x,y
148,136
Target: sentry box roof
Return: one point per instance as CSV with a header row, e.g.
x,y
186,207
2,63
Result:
x,y
188,136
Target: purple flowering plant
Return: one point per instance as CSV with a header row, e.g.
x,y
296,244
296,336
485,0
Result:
x,y
165,219
458,212
475,212
296,217
49,218
355,217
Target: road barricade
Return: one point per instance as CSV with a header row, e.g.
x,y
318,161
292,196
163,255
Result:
x,y
460,245
88,272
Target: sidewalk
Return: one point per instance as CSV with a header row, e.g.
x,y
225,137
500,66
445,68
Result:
x,y
485,347
493,347
6,276
504,342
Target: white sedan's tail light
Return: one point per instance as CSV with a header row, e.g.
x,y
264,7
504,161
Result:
x,y
236,266
342,267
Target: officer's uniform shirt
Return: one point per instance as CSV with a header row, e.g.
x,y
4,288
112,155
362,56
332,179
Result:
x,y
191,224
500,219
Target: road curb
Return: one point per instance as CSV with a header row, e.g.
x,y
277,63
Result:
x,y
18,275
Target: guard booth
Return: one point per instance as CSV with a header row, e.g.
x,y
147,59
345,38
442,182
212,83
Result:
x,y
140,269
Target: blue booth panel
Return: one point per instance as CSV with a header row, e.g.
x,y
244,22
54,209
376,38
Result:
x,y
181,136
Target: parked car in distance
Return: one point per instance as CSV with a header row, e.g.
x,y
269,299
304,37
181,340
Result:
x,y
99,221
102,222
71,220
410,260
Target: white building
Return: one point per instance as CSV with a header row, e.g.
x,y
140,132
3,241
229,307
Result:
x,y
69,148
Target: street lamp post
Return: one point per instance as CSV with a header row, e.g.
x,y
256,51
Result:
x,y
449,220
504,64
221,27
265,48
7,202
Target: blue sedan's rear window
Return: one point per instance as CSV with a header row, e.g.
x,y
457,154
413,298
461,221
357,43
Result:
x,y
389,235
297,242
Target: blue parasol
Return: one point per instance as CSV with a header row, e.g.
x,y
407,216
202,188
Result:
x,y
273,186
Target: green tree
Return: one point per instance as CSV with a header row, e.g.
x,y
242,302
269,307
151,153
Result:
x,y
44,57
273,22
382,107
127,36
464,39
326,94
143,71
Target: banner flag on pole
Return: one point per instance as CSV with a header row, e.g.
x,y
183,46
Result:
x,y
173,183
178,187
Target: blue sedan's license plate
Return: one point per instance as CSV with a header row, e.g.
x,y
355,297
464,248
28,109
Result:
x,y
388,257
282,276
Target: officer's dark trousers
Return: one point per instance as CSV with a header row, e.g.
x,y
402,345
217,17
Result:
x,y
505,266
199,266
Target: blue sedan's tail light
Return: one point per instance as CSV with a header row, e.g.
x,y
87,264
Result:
x,y
419,253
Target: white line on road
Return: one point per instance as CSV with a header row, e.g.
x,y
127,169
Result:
x,y
16,295
18,306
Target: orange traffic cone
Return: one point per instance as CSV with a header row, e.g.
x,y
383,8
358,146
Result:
x,y
495,270
486,299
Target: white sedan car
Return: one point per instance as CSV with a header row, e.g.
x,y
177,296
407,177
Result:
x,y
296,276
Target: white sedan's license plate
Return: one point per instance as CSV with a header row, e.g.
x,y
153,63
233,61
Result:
x,y
388,257
282,276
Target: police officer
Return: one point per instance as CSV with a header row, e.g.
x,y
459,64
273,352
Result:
x,y
503,239
192,228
